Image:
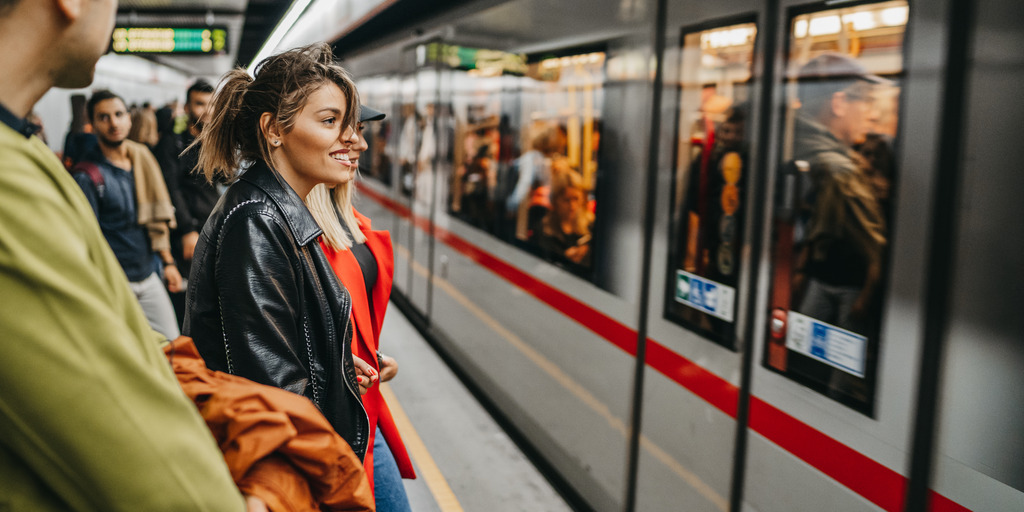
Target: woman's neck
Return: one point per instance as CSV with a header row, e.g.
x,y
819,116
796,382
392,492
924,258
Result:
x,y
300,185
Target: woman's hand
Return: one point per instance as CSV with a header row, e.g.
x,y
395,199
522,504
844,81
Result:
x,y
366,376
388,367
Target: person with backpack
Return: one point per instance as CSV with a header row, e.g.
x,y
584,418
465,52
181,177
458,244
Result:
x,y
123,183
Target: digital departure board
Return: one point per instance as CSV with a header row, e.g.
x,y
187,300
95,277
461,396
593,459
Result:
x,y
194,40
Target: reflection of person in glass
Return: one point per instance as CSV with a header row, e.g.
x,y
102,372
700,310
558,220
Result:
x,y
840,259
407,145
473,200
533,170
716,179
564,237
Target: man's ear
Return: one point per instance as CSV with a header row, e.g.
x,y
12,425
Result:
x,y
269,126
839,105
70,9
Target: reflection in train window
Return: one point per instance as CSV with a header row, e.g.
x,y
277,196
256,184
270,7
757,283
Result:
x,y
526,135
832,211
376,162
710,179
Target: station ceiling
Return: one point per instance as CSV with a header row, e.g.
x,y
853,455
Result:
x,y
249,23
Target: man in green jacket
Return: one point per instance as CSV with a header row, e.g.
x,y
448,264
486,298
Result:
x,y
91,416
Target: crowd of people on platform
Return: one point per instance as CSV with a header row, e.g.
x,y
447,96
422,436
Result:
x,y
191,313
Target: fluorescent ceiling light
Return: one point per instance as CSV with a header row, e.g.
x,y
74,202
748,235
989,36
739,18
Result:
x,y
279,32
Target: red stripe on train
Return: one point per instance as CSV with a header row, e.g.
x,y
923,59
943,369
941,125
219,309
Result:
x,y
861,474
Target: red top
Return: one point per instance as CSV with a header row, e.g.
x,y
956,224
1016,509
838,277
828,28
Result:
x,y
367,332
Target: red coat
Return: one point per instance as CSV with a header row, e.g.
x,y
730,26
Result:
x,y
367,332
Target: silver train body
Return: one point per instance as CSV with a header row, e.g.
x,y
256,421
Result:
x,y
733,409
679,117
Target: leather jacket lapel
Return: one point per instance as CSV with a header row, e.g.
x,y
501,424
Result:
x,y
301,222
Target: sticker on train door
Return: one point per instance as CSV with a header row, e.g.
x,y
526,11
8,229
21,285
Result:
x,y
713,298
827,343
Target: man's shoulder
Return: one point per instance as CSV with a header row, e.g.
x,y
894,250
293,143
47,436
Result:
x,y
833,160
27,158
33,179
137,149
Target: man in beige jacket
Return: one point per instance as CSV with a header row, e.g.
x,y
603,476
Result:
x,y
126,190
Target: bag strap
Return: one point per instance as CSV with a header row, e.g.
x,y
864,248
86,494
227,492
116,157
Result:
x,y
93,172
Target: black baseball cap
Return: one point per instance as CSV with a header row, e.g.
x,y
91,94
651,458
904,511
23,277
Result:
x,y
369,114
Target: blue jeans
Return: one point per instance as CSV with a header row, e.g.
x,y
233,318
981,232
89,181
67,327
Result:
x,y
388,489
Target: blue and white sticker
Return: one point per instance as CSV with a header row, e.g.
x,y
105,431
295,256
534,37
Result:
x,y
713,298
827,343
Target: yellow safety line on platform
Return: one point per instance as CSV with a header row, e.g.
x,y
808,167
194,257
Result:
x,y
428,469
572,386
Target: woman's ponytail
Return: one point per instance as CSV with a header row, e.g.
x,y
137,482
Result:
x,y
280,86
226,130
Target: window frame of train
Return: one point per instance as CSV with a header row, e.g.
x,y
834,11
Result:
x,y
579,127
701,293
838,361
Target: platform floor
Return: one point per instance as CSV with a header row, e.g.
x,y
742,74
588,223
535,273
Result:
x,y
464,461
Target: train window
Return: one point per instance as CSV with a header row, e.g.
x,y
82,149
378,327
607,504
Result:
x,y
832,208
525,154
480,145
376,162
412,167
710,178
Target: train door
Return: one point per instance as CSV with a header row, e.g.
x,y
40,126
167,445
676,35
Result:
x,y
979,450
406,134
530,328
415,154
701,288
850,143
425,182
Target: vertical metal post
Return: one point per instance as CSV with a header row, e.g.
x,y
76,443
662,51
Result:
x,y
645,272
768,35
435,168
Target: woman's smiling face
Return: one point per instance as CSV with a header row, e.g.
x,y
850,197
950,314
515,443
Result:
x,y
318,149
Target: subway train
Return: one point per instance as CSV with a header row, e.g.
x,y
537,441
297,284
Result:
x,y
743,255
611,217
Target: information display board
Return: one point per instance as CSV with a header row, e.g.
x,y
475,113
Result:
x,y
179,40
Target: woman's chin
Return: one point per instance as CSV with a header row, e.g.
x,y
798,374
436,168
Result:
x,y
344,176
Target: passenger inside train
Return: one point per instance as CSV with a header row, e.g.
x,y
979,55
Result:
x,y
564,233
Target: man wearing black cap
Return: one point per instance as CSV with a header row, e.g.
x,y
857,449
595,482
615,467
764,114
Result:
x,y
846,230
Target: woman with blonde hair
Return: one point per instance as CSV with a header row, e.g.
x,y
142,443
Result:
x,y
263,301
564,237
364,262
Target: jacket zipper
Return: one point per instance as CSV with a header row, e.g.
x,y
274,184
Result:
x,y
361,437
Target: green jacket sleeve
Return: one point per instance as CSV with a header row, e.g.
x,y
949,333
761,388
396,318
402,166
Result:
x,y
88,403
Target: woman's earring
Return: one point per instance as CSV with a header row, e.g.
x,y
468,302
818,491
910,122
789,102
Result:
x,y
277,143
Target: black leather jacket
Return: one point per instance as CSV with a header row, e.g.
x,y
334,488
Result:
x,y
264,303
